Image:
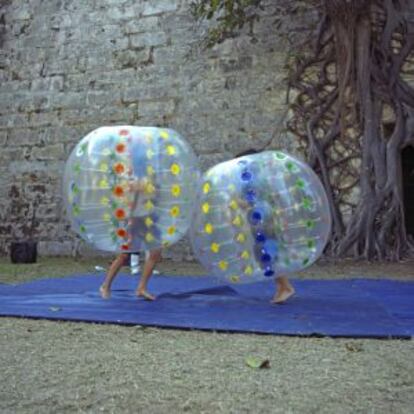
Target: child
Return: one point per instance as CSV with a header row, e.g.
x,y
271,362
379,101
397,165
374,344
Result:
x,y
284,289
151,259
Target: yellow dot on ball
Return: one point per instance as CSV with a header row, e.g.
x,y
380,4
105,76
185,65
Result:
x,y
149,205
206,208
175,169
215,247
248,270
103,184
175,211
237,221
245,255
235,278
149,188
164,134
171,150
103,167
149,222
171,230
241,238
208,228
206,188
148,137
149,237
104,201
106,217
233,204
176,190
150,170
165,243
150,154
223,265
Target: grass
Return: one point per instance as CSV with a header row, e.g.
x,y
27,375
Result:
x,y
64,367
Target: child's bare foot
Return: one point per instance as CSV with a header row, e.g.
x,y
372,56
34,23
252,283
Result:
x,y
143,293
283,295
105,292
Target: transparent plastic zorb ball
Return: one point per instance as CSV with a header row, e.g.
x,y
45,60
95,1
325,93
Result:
x,y
259,216
129,188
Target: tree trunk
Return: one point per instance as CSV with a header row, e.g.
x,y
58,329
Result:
x,y
355,117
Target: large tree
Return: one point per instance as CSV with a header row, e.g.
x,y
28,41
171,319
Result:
x,y
352,107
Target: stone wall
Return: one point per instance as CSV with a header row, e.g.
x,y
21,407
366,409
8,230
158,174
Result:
x,y
69,66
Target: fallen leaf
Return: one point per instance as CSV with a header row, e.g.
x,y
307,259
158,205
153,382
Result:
x,y
257,363
354,347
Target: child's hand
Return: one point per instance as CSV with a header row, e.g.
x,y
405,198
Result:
x,y
138,185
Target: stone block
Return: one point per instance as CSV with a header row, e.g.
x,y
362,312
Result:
x,y
122,13
50,211
142,40
54,248
131,58
147,90
22,13
68,100
159,7
101,99
48,152
35,102
156,108
142,25
236,64
15,87
3,138
14,121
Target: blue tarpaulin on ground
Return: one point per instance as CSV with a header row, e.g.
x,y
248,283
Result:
x,y
337,308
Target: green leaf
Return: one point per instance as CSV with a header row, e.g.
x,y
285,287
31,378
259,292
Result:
x,y
214,4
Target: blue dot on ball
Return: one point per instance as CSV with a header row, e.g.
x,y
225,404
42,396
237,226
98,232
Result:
x,y
257,215
260,237
246,175
269,272
266,258
250,195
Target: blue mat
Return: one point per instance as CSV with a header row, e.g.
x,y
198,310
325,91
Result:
x,y
337,308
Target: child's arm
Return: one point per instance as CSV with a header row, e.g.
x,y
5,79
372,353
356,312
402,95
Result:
x,y
137,187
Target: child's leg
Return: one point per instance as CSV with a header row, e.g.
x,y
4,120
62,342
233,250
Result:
x,y
105,289
152,259
284,290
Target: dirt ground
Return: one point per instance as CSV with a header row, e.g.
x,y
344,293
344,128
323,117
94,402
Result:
x,y
61,367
